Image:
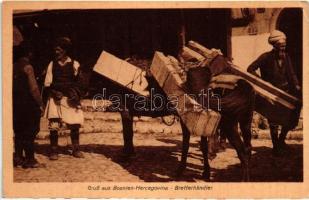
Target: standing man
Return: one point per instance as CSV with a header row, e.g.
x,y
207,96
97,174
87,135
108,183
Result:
x,y
27,107
63,106
276,68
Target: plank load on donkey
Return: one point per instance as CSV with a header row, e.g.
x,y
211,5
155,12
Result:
x,y
128,77
196,119
235,106
273,103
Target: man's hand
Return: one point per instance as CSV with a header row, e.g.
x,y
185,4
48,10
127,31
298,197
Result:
x,y
74,97
56,95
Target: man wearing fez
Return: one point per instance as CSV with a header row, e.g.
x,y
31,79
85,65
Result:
x,y
63,106
276,68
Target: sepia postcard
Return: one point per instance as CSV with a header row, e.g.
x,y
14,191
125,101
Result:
x,y
154,99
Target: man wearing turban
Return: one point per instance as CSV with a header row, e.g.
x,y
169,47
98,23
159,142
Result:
x,y
276,68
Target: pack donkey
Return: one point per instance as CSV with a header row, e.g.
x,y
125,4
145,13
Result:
x,y
236,107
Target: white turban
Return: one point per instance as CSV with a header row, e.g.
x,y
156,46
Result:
x,y
276,36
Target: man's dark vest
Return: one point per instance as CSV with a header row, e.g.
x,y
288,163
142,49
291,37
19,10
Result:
x,y
63,74
63,77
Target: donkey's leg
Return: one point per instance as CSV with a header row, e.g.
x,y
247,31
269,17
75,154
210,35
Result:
x,y
245,127
204,148
245,123
274,129
185,149
281,141
212,146
230,129
127,126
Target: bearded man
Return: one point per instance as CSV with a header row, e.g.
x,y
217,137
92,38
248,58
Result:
x,y
276,68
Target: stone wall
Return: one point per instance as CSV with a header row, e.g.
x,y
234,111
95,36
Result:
x,y
110,122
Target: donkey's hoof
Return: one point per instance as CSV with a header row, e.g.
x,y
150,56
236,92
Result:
x,y
180,170
276,152
206,176
245,177
126,157
283,148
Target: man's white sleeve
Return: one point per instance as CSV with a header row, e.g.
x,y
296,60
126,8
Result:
x,y
76,66
49,75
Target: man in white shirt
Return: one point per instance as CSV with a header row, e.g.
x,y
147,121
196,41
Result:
x,y
64,96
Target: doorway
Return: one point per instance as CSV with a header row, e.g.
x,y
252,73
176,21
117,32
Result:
x,y
290,21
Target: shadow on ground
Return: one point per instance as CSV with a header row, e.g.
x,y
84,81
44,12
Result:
x,y
267,168
159,163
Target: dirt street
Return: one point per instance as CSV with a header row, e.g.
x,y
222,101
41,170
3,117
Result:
x,y
156,161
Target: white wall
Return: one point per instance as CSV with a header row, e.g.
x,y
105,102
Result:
x,y
246,48
248,45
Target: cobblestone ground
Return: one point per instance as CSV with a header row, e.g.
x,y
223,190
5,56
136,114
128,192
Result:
x,y
156,161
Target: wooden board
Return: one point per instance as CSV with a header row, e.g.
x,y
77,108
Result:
x,y
122,72
198,121
250,77
273,103
189,54
263,84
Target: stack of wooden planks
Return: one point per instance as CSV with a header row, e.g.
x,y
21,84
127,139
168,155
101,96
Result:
x,y
198,120
273,103
122,72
